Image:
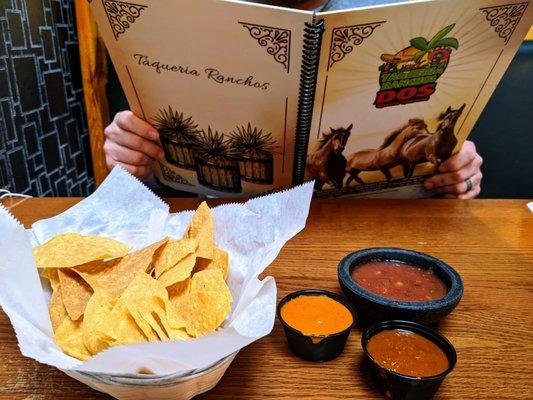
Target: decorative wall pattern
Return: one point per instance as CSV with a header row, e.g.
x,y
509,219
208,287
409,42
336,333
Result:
x,y
44,142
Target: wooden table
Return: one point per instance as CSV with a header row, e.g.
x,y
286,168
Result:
x,y
490,243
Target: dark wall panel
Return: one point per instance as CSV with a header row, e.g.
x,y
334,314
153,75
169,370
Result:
x,y
44,145
27,83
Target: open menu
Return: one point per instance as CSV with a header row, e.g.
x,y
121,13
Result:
x,y
251,98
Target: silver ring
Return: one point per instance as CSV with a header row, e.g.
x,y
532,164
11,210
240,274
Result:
x,y
469,185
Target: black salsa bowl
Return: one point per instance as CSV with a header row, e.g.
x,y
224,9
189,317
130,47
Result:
x,y
395,386
378,308
316,348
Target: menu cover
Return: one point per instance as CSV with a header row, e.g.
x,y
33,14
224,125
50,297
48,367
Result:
x,y
251,98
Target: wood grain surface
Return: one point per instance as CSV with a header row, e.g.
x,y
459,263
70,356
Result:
x,y
94,75
489,242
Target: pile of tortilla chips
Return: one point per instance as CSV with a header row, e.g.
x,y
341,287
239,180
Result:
x,y
104,296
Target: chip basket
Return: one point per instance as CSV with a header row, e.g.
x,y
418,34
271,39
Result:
x,y
179,386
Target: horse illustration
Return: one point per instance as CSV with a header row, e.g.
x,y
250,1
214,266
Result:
x,y
327,164
386,156
434,148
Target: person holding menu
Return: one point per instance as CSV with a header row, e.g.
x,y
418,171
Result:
x,y
134,143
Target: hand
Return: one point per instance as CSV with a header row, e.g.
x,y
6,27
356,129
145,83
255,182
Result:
x,y
132,143
453,173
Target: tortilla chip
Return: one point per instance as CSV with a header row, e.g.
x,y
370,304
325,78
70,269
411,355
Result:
x,y
52,276
71,249
75,292
180,272
97,311
166,326
178,290
203,312
69,337
147,301
201,229
154,321
94,272
207,304
57,309
170,254
220,261
146,327
208,280
99,303
115,278
141,299
180,334
121,326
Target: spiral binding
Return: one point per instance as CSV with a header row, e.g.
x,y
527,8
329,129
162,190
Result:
x,y
306,97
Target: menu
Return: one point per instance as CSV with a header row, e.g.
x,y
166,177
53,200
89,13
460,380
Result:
x,y
250,98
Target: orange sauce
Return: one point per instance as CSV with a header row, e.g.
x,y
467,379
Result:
x,y
316,315
407,353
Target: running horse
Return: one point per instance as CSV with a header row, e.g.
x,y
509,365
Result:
x,y
327,163
385,157
434,148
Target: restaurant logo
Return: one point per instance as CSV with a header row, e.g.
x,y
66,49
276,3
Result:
x,y
411,74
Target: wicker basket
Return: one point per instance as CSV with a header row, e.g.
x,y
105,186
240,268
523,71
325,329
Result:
x,y
220,173
257,168
178,153
174,386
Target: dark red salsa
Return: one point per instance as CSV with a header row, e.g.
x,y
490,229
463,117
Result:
x,y
407,353
399,281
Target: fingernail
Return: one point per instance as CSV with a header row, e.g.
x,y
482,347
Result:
x,y
161,155
154,135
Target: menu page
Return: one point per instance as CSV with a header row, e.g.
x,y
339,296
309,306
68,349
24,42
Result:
x,y
400,88
219,80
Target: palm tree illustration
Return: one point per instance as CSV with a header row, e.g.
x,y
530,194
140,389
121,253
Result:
x,y
439,40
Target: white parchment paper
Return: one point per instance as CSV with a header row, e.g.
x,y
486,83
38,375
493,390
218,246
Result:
x,y
123,208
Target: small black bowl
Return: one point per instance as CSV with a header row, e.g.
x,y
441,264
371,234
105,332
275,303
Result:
x,y
316,348
380,308
395,386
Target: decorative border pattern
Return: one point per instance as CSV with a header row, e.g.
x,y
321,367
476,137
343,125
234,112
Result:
x,y
277,41
344,39
505,18
172,176
121,15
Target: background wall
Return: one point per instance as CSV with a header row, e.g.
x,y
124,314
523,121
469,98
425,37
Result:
x,y
504,132
44,143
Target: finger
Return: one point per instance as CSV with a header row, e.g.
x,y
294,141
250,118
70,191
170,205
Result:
x,y
139,171
135,142
470,194
461,187
450,178
128,121
126,155
459,160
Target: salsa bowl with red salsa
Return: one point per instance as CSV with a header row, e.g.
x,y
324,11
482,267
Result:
x,y
393,283
407,360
